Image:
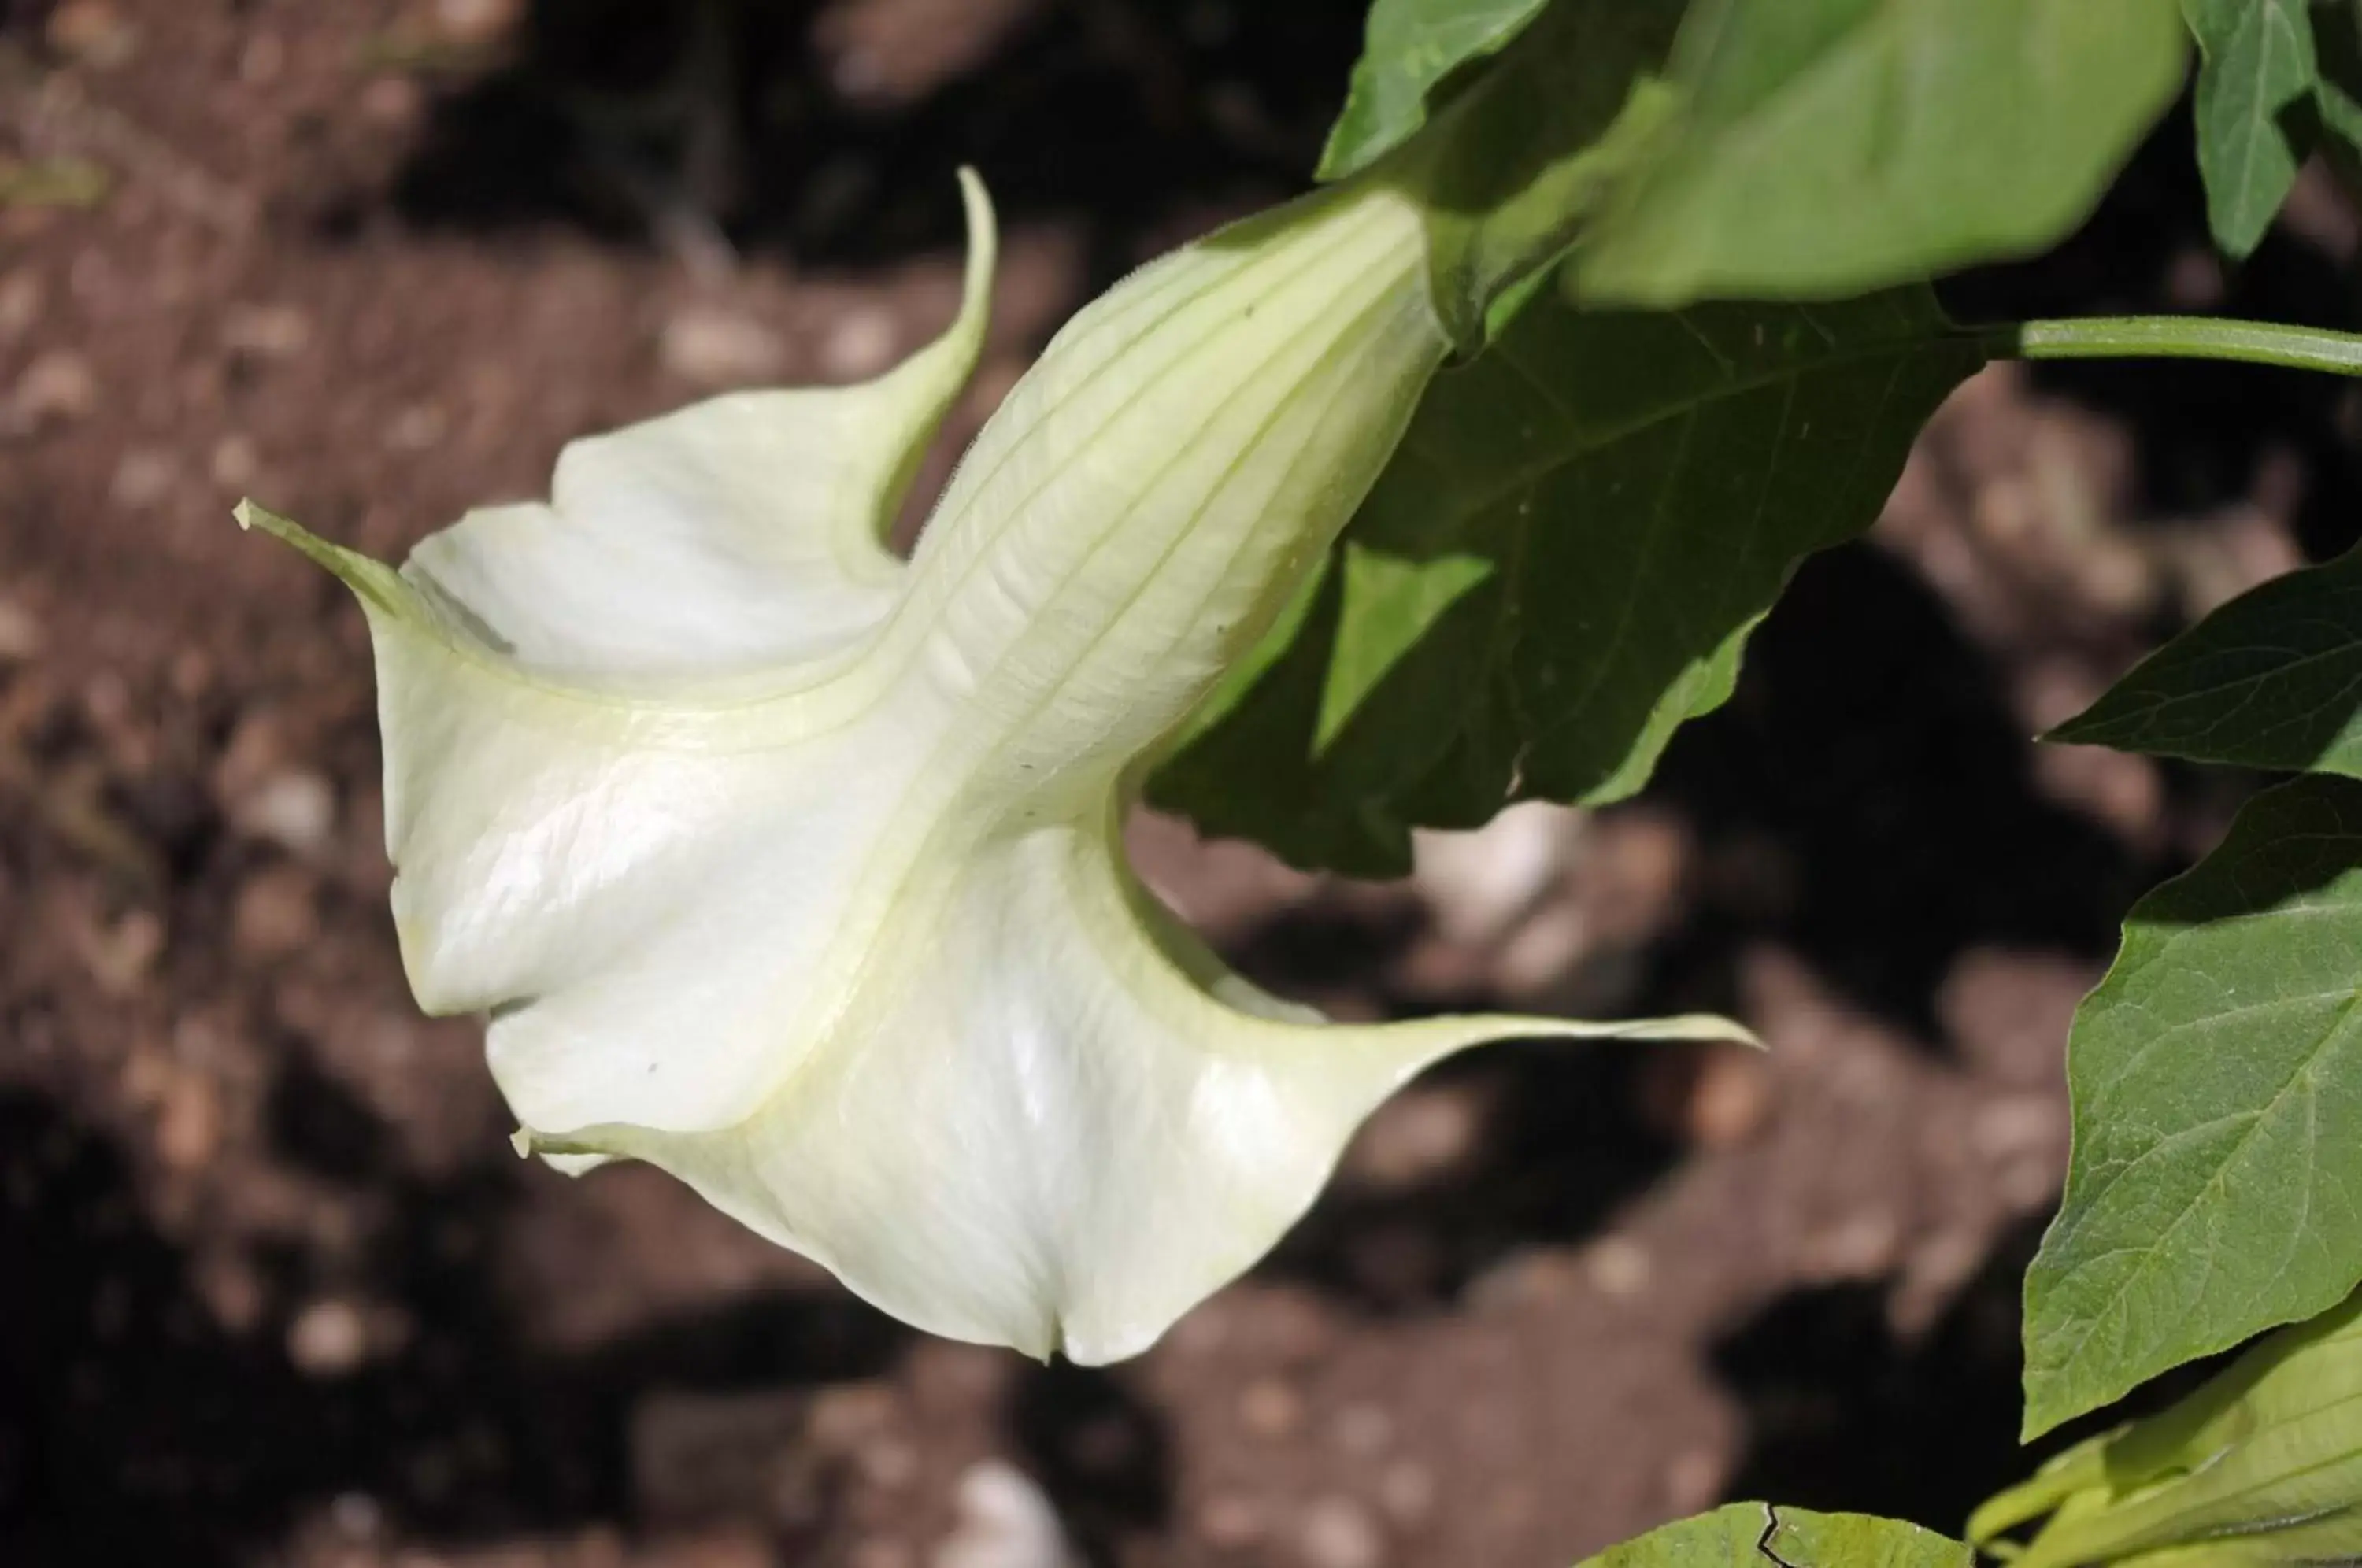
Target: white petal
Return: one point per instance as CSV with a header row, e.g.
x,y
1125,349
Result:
x,y
1038,1126
733,536
562,842
651,898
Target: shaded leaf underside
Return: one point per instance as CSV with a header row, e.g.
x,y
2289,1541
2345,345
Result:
x,y
1560,567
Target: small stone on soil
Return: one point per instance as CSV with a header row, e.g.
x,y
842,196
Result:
x,y
1712,1097
1229,1521
1338,1533
57,388
2016,1124
1406,1490
1414,1138
275,914
394,103
328,1339
92,33
1693,1480
1270,1409
236,463
1619,1267
121,957
417,428
266,331
476,22
188,1126
711,347
142,478
889,1463
1004,1522
20,632
20,304
1862,1246
860,344
295,809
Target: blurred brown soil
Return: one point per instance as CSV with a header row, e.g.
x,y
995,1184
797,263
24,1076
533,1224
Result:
x,y
273,1289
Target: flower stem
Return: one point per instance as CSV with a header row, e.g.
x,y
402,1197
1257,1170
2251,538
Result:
x,y
2178,337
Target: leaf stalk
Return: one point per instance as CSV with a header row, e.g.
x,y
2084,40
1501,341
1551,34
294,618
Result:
x,y
2178,337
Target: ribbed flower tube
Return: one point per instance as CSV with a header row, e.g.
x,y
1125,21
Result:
x,y
1152,491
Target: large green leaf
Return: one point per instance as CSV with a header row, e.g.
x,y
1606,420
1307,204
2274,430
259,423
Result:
x,y
1410,46
1827,147
2271,679
1560,566
2258,65
1756,1535
2217,1185
1516,166
1788,148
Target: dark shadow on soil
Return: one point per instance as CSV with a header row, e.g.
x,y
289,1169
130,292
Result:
x,y
1841,1415
1865,801
1102,1456
1845,1416
1561,1150
618,113
130,1419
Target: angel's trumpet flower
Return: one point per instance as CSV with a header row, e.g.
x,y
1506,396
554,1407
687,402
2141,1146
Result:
x,y
793,868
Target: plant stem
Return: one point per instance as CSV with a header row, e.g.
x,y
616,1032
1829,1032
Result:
x,y
2178,337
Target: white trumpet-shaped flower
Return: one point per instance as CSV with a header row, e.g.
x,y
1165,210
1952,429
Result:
x,y
793,868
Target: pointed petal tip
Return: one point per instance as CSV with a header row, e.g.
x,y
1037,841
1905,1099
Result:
x,y
253,514
377,585
254,518
567,1157
983,228
1697,1028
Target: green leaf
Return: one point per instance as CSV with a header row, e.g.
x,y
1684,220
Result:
x,y
1828,146
1757,1535
1790,149
1560,566
1514,166
2257,65
2271,679
2337,95
1410,46
2260,1465
2216,1189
